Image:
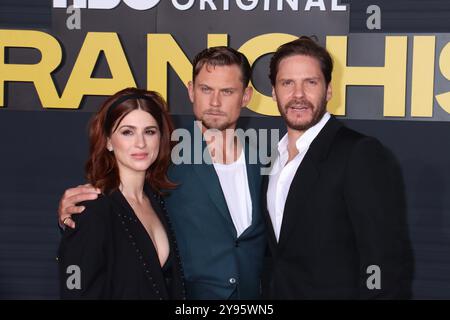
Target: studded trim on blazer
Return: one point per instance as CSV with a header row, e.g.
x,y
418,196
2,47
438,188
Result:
x,y
171,234
125,221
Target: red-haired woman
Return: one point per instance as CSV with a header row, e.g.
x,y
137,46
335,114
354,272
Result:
x,y
123,246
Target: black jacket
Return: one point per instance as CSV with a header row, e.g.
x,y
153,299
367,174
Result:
x,y
345,211
115,255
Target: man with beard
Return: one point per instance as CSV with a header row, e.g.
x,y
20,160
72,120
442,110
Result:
x,y
216,207
335,203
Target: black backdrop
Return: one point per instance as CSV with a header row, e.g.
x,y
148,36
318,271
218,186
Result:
x,y
42,152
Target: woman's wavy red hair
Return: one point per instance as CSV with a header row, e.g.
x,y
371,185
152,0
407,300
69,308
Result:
x,y
101,168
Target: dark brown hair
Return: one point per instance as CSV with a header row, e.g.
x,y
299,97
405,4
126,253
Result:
x,y
304,46
222,56
101,168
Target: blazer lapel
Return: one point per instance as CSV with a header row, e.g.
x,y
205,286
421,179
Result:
x,y
305,178
299,193
271,233
210,184
158,206
138,237
254,185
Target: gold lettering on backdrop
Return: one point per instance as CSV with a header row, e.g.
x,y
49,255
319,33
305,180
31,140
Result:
x,y
255,48
163,50
392,76
81,83
422,86
444,65
39,73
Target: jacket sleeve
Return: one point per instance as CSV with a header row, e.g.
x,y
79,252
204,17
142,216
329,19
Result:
x,y
374,195
82,255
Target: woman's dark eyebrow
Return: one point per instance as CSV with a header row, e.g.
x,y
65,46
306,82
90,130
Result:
x,y
133,127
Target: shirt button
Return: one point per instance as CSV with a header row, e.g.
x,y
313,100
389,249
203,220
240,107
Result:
x,y
232,280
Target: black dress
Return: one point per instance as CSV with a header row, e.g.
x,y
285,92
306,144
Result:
x,y
109,255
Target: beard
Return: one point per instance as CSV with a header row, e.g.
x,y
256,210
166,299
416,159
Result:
x,y
220,122
304,123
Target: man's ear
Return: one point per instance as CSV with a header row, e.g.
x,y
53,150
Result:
x,y
191,91
329,92
248,93
274,95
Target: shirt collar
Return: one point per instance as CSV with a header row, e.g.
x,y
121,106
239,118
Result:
x,y
305,139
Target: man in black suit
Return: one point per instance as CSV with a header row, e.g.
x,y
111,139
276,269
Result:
x,y
335,202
